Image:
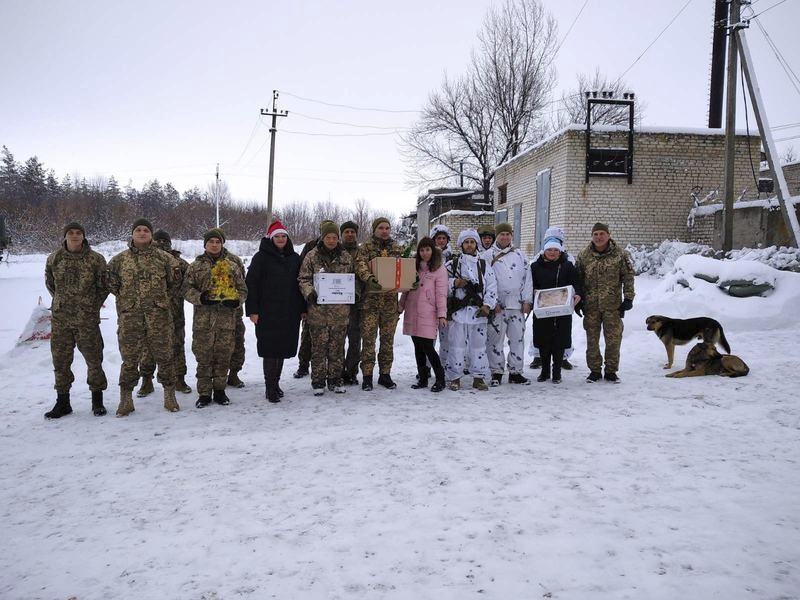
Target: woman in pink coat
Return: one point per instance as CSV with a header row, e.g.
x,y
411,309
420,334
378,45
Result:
x,y
426,311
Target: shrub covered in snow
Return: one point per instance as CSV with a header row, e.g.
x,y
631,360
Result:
x,y
660,260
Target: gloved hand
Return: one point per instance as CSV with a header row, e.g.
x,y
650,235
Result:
x,y
312,297
373,285
579,309
484,311
626,305
206,300
230,303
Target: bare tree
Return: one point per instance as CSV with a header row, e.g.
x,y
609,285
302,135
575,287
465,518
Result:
x,y
788,156
493,112
573,103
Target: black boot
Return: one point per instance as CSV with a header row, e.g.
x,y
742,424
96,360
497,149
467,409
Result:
x,y
203,401
302,371
438,385
386,381
422,382
366,384
61,408
221,398
97,404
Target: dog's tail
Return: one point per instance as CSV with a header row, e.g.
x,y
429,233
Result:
x,y
723,342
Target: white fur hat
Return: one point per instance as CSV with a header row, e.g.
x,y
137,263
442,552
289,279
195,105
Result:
x,y
437,229
552,242
469,234
555,232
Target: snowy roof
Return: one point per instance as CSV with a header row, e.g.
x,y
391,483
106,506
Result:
x,y
647,129
468,213
710,209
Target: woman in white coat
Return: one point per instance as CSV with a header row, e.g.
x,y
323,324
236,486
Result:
x,y
472,298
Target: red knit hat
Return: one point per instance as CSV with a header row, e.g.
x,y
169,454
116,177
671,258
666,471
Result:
x,y
276,228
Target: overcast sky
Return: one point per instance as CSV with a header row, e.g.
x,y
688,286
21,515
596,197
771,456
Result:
x,y
165,90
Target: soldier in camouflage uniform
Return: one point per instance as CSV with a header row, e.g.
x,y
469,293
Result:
x,y
75,277
216,287
237,358
327,322
144,280
607,274
349,231
147,365
379,309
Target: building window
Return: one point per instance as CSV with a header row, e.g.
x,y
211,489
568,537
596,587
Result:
x,y
502,196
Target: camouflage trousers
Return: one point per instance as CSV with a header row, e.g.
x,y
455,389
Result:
x,y
379,312
304,353
237,358
212,347
147,364
139,331
353,343
327,353
86,336
612,326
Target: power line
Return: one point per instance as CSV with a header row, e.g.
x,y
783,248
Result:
x,y
345,123
767,9
747,126
787,69
787,126
348,106
650,45
250,140
786,139
339,134
575,20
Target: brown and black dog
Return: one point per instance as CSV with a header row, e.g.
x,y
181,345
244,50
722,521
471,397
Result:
x,y
677,332
704,359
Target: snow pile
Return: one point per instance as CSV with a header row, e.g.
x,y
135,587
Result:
x,y
660,260
687,295
39,325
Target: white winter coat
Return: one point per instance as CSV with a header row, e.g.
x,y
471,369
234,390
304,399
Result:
x,y
513,275
468,269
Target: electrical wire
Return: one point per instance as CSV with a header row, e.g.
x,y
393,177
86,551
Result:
x,y
299,114
787,69
249,140
571,25
348,106
339,134
767,9
787,126
747,126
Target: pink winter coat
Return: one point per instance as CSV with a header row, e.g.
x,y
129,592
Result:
x,y
425,305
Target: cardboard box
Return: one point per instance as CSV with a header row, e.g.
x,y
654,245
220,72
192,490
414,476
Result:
x,y
397,274
553,302
335,288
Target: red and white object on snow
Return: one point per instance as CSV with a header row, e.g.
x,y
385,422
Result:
x,y
39,325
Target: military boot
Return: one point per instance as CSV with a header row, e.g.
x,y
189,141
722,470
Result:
x,y
125,402
61,408
479,384
221,398
234,381
170,403
182,386
146,388
97,404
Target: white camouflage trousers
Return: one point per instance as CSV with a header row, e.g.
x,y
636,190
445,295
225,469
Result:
x,y
466,347
510,323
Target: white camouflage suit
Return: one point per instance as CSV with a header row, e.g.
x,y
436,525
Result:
x,y
447,254
513,275
467,330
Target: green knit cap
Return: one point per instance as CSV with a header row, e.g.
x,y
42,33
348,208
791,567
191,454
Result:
x,y
600,227
503,227
327,227
144,222
378,221
214,233
486,230
74,225
348,225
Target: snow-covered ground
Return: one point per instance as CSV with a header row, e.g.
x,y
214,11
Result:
x,y
655,488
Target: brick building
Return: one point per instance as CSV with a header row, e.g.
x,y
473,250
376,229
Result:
x,y
546,185
458,208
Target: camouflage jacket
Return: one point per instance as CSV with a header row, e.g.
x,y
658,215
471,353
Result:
x,y
605,276
144,279
177,299
373,248
353,252
322,260
77,283
220,276
238,261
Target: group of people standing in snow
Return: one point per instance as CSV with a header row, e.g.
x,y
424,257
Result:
x,y
475,299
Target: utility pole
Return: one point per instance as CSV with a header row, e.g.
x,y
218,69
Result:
x,y
216,195
717,83
730,124
782,191
461,171
275,113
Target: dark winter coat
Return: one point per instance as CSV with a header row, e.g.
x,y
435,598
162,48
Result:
x,y
553,331
274,296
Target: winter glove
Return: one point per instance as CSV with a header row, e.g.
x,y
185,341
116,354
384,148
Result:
x,y
312,297
484,311
230,303
373,285
626,305
206,300
579,309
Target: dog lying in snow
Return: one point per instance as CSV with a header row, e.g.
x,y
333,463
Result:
x,y
677,332
704,359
